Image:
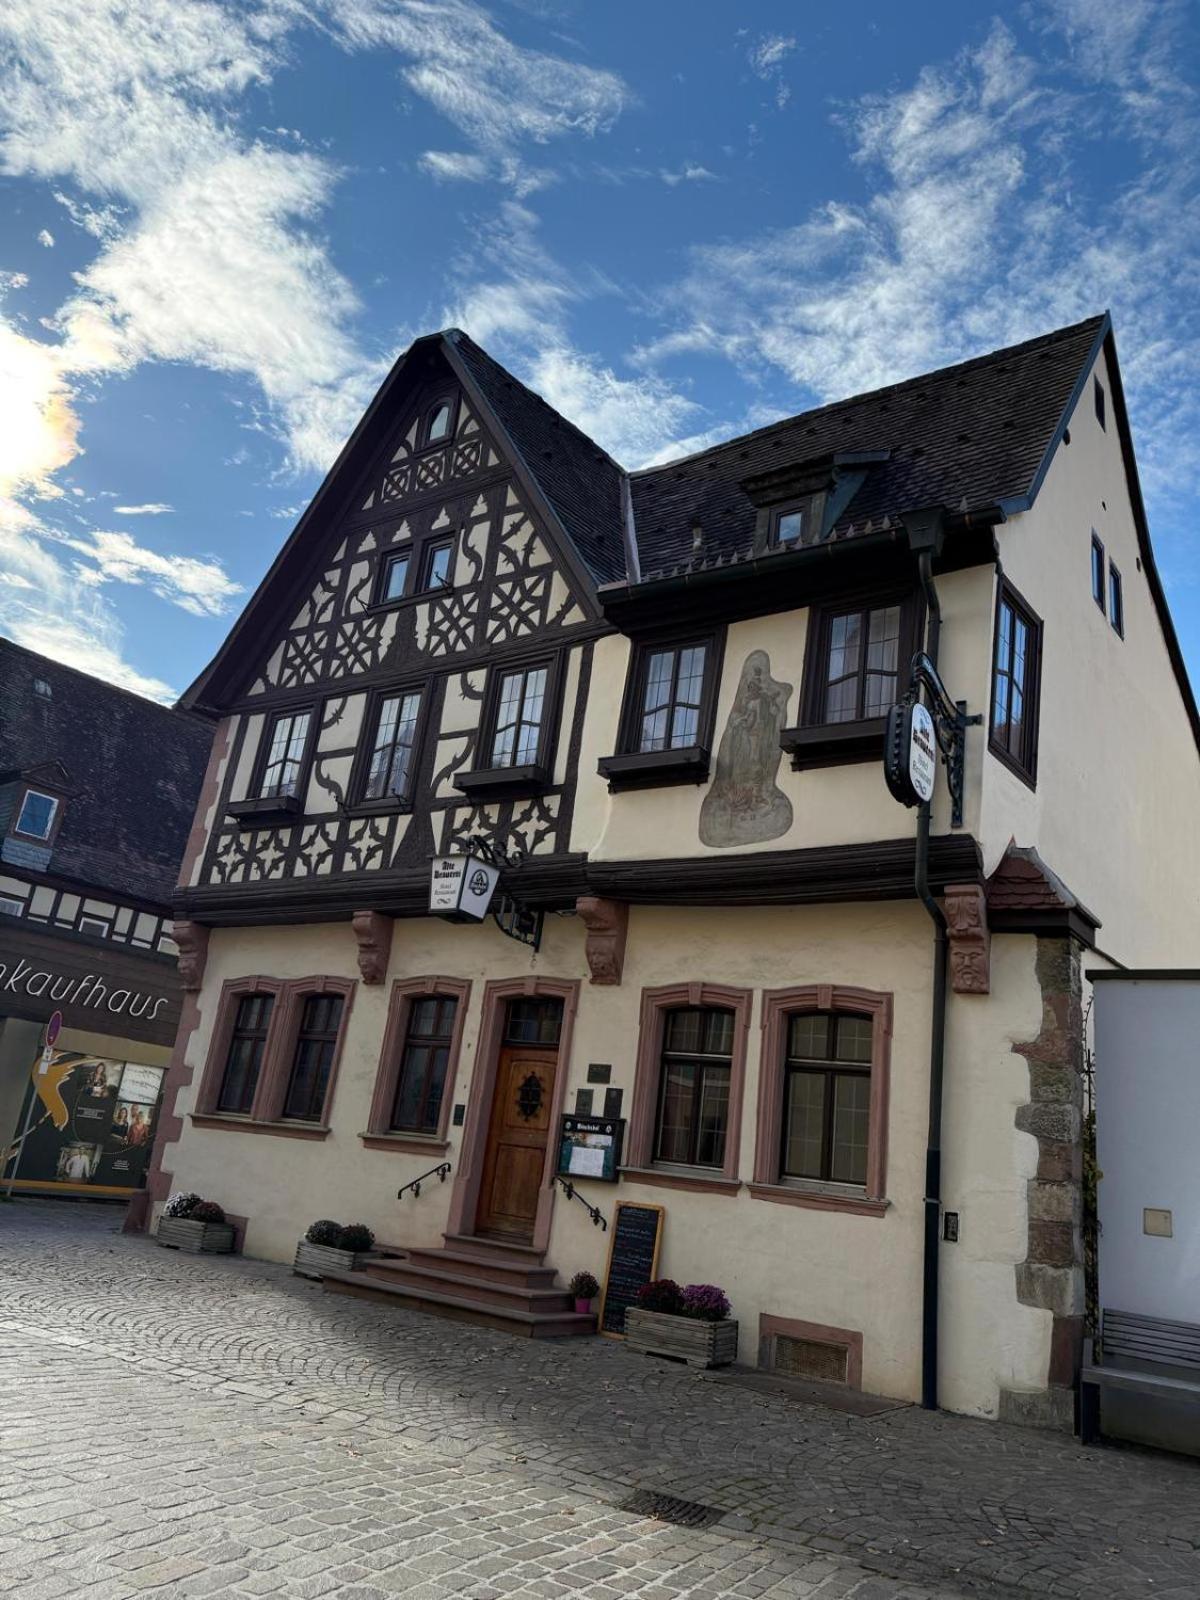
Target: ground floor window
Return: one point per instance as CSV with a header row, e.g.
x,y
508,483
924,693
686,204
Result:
x,y
312,1059
417,1104
247,1045
693,1110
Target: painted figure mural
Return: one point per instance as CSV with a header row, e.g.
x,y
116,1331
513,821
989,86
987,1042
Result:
x,y
744,806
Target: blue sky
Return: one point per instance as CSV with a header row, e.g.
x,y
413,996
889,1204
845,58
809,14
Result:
x,y
221,222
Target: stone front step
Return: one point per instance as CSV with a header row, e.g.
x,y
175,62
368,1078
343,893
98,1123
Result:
x,y
523,1272
443,1278
464,1306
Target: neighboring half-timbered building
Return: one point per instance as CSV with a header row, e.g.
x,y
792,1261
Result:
x,y
657,700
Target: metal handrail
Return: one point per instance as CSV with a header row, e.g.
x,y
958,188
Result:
x,y
598,1220
441,1171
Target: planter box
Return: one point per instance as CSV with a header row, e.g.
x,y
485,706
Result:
x,y
700,1344
198,1238
315,1260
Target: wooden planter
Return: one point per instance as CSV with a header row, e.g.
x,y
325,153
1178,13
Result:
x,y
197,1238
700,1344
315,1260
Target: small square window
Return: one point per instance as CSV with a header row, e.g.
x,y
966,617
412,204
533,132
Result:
x,y
10,907
95,926
36,820
1116,600
1097,572
395,576
793,523
1098,397
42,688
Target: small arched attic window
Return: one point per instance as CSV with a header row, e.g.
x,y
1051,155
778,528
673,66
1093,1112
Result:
x,y
438,421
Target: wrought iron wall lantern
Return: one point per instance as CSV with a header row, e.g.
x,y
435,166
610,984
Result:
x,y
467,887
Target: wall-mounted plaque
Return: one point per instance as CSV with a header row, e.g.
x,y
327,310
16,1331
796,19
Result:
x,y
590,1147
599,1072
632,1262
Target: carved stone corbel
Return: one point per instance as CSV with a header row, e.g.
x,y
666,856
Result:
x,y
970,941
192,940
374,934
607,923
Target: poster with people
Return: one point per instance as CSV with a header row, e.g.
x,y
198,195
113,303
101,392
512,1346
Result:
x,y
88,1122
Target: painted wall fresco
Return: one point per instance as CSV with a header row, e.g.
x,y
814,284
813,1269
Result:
x,y
744,804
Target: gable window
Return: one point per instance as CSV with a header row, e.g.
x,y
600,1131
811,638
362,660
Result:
x,y
861,664
1016,672
247,1044
389,774
1097,571
438,422
1098,398
435,565
395,576
417,1105
288,741
671,697
520,711
312,1061
826,1098
37,814
693,1106
1116,600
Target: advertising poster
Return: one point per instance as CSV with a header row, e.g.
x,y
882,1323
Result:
x,y
90,1126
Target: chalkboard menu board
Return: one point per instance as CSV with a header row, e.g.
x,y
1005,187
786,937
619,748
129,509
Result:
x,y
632,1262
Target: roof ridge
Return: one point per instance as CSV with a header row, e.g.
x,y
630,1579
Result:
x,y
179,713
1023,348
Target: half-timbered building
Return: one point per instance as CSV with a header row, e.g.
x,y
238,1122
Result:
x,y
657,700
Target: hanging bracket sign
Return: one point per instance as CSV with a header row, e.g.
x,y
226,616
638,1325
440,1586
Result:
x,y
912,753
916,734
461,887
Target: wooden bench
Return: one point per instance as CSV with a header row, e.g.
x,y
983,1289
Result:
x,y
1146,1355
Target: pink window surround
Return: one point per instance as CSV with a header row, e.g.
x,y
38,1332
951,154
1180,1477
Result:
x,y
778,1006
849,1339
379,1134
639,1151
464,1201
271,1090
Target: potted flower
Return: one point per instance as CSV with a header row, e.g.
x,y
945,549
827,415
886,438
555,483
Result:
x,y
191,1223
690,1324
332,1247
584,1288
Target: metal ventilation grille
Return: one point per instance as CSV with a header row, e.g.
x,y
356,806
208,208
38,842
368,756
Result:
x,y
666,1508
808,1358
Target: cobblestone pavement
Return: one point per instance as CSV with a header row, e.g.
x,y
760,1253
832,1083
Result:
x,y
182,1425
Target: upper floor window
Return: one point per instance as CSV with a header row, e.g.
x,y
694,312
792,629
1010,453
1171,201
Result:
x,y
247,1044
421,1084
860,663
439,422
1015,684
435,565
693,1103
99,927
389,774
36,817
418,570
794,522
826,1098
288,742
520,716
11,907
312,1060
1098,398
1097,571
1116,600
395,576
671,697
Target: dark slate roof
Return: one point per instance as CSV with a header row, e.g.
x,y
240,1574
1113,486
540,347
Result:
x,y
964,437
581,482
135,771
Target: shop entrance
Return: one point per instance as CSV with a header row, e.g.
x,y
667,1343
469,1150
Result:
x,y
519,1127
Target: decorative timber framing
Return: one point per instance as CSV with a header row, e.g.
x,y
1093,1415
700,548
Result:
x,y
778,1006
380,1135
464,1200
970,942
607,924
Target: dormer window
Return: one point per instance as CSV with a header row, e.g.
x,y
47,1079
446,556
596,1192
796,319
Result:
x,y
439,422
793,523
36,817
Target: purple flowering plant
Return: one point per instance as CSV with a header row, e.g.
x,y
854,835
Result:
x,y
705,1302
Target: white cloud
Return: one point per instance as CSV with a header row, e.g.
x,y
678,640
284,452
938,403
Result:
x,y
690,172
454,166
766,57
153,508
46,239
199,586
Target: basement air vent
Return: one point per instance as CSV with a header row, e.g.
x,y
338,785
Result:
x,y
809,1358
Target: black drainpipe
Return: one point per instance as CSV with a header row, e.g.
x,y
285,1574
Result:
x,y
937,1049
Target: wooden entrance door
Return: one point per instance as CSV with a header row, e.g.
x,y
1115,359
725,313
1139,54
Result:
x,y
516,1147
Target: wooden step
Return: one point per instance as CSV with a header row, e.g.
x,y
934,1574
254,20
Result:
x,y
522,1324
442,1279
486,1269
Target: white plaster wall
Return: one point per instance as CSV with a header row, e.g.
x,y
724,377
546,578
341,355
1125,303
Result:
x,y
1116,812
1147,1113
848,1271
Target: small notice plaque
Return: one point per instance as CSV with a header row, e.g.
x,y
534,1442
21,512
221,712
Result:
x,y
590,1147
632,1262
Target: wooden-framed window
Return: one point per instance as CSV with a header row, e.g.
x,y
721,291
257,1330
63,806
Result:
x,y
1116,600
423,567
693,1100
245,1052
437,559
668,711
862,663
686,1115
1098,401
821,1138
395,575
1016,684
286,748
392,760
37,815
418,1062
795,522
313,1057
437,425
672,682
1097,570
518,728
